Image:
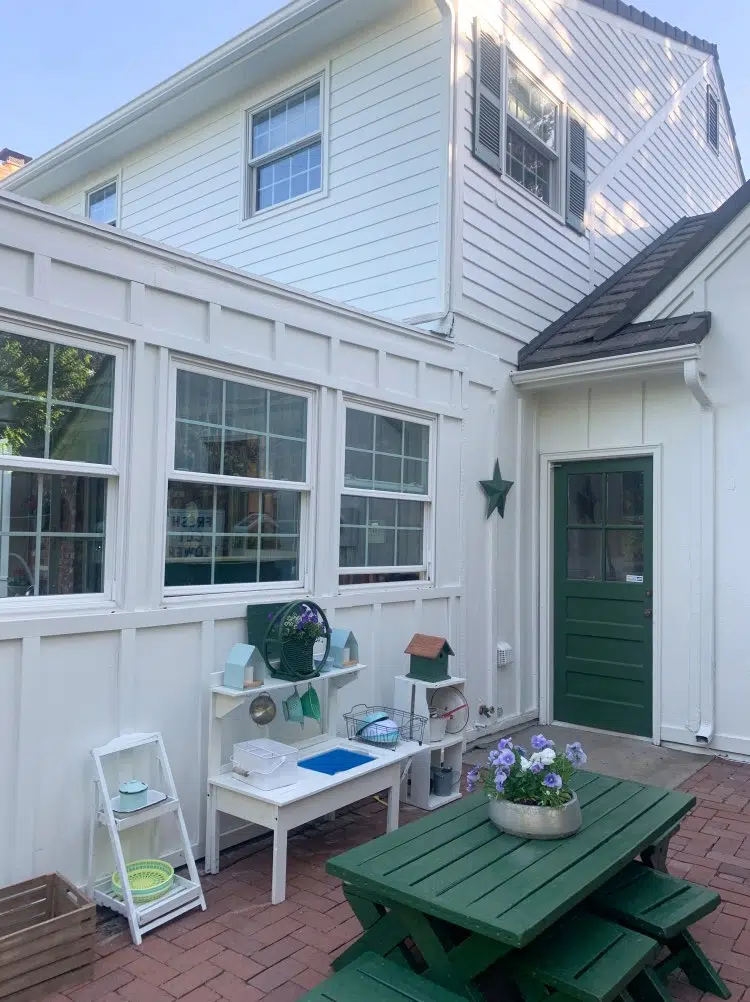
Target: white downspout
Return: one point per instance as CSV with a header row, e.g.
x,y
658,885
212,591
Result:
x,y
442,321
703,690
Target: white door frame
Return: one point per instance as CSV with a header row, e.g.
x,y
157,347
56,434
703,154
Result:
x,y
545,530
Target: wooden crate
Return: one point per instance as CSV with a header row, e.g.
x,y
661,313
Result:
x,y
46,938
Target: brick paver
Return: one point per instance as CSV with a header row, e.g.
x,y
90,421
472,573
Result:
x,y
243,949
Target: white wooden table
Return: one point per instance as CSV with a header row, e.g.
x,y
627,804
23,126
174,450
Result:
x,y
314,795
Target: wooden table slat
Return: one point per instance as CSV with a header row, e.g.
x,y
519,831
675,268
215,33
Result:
x,y
470,879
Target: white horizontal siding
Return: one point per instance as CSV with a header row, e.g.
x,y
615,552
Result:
x,y
521,265
377,227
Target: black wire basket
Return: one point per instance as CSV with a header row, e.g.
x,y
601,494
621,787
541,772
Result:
x,y
366,723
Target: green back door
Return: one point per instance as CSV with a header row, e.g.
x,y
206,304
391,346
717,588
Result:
x,y
603,521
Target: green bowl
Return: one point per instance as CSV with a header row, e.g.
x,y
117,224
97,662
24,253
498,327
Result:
x,y
149,880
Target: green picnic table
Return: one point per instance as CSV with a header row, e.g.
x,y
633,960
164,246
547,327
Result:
x,y
466,894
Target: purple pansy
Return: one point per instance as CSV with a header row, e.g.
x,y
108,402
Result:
x,y
575,753
538,742
536,768
507,758
471,780
494,757
552,781
500,778
504,743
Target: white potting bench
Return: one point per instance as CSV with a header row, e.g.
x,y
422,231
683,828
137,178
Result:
x,y
314,794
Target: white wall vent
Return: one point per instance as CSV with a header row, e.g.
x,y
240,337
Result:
x,y
504,655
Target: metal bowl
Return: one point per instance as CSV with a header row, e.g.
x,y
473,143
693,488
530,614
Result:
x,y
262,709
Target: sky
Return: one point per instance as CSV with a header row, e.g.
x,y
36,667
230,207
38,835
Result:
x,y
65,65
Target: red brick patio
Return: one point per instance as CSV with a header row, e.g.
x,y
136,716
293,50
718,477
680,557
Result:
x,y
244,950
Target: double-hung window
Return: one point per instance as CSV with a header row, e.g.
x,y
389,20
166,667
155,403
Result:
x,y
531,143
285,145
238,485
101,204
57,470
519,130
386,499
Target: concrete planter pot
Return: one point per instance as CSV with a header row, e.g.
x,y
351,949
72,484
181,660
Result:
x,y
528,821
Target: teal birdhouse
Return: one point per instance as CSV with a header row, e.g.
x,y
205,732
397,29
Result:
x,y
344,648
242,662
428,658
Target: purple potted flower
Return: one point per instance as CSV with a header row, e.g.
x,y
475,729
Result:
x,y
530,794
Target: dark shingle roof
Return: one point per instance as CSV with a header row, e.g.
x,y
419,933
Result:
x,y
603,323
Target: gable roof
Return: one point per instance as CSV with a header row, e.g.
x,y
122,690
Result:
x,y
603,323
424,646
241,63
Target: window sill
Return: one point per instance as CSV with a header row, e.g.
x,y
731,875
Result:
x,y
387,586
64,605
181,597
273,211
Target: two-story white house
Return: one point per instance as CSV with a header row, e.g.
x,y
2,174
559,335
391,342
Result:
x,y
317,253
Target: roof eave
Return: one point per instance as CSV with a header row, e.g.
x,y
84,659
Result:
x,y
268,30
654,361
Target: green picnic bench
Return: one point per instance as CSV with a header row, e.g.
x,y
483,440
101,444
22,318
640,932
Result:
x,y
583,958
662,906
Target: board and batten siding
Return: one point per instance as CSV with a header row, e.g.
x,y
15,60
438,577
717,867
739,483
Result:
x,y
76,679
372,240
520,266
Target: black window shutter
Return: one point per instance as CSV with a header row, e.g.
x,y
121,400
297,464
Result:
x,y
712,119
488,97
576,182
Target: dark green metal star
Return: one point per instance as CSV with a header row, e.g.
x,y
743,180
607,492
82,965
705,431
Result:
x,y
496,490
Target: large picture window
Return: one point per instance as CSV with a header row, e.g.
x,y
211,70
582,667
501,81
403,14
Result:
x,y
56,419
385,499
239,477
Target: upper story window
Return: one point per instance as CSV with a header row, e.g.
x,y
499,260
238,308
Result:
x,y
286,147
712,119
531,140
518,129
56,466
101,204
385,502
238,484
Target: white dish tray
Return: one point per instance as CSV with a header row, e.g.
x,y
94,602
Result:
x,y
152,797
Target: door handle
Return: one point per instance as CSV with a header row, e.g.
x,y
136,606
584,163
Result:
x,y
649,593
648,613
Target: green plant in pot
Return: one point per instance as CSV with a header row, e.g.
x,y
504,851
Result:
x,y
300,630
530,795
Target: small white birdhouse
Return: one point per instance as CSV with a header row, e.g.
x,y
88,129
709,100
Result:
x,y
344,649
244,661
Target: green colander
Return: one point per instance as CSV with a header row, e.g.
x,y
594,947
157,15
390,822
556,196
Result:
x,y
149,880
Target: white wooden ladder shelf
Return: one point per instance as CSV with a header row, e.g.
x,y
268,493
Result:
x,y
186,894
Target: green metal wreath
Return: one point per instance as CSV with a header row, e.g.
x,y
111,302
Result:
x,y
289,641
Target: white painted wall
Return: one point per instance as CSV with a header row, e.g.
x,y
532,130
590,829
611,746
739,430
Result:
x,y
372,239
74,678
701,491
518,266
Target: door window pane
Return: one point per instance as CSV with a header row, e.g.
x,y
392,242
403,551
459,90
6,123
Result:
x,y
585,493
584,554
624,555
625,498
